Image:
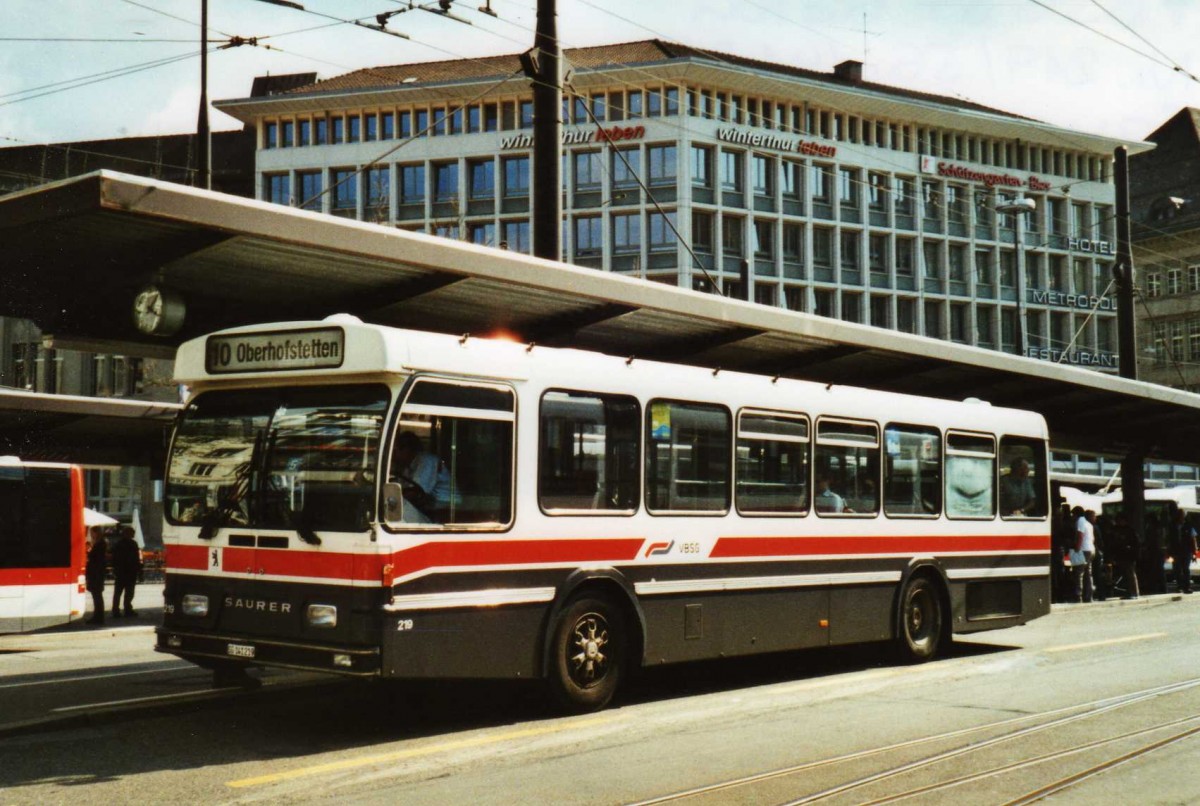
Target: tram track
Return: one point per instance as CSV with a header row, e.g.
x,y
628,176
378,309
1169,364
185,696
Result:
x,y
1013,729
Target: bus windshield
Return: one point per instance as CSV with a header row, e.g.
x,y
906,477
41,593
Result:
x,y
301,458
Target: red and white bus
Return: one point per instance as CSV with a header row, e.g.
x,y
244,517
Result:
x,y
589,513
41,545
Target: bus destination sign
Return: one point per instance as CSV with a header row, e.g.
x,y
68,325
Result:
x,y
273,352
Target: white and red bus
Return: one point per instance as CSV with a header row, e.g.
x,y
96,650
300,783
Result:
x,y
590,512
41,545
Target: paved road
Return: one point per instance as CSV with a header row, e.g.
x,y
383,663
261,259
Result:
x,y
779,729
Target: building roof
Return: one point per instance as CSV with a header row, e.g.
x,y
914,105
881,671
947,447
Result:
x,y
648,51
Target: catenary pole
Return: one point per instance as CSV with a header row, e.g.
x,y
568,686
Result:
x,y
203,140
547,136
1133,475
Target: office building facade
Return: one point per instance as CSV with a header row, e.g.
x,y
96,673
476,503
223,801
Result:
x,y
827,193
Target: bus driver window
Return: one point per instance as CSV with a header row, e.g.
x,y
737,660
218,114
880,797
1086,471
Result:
x,y
451,460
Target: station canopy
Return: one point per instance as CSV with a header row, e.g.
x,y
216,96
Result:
x,y
77,252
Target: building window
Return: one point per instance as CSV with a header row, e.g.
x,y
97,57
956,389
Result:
x,y
588,238
823,303
902,191
345,191
821,190
763,176
905,256
731,171
793,242
877,253
822,247
848,187
906,315
354,129
764,239
702,159
1193,273
1008,268
483,233
1153,285
412,184
379,194
310,189
445,180
279,188
288,134
516,176
983,326
850,249
483,178
877,186
933,260
958,323
270,135
791,175
626,233
626,167
662,232
702,232
958,263
371,130
589,168
933,320
320,131
662,164
1174,281
983,266
305,133
516,236
387,126
733,236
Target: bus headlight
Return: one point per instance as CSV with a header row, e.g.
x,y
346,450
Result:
x,y
321,615
195,604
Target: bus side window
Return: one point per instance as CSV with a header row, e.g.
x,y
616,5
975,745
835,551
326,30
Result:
x,y
452,455
1022,478
687,457
912,476
846,467
970,476
772,464
588,454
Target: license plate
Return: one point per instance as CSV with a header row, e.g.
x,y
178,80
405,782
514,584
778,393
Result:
x,y
240,650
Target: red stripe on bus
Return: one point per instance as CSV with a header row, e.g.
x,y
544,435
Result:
x,y
875,544
37,576
191,558
514,552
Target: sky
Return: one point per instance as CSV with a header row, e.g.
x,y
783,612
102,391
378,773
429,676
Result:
x,y
1117,67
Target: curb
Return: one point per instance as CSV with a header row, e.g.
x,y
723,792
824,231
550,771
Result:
x,y
1142,601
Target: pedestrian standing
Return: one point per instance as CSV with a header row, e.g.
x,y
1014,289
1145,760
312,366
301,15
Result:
x,y
97,561
127,562
1081,560
1125,548
1064,539
1183,550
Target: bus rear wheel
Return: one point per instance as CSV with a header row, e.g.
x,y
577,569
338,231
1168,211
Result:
x,y
921,621
588,654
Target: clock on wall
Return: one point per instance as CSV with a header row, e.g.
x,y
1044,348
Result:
x,y
158,311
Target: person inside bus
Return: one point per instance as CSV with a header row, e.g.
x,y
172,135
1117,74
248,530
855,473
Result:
x,y
827,500
424,479
1018,496
97,560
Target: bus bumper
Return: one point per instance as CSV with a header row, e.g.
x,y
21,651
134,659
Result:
x,y
209,650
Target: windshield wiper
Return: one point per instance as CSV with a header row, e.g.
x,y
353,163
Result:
x,y
214,519
299,522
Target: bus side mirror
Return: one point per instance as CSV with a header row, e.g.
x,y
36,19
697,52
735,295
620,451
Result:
x,y
393,502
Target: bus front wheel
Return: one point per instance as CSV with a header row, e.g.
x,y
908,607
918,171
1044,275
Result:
x,y
921,621
588,654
